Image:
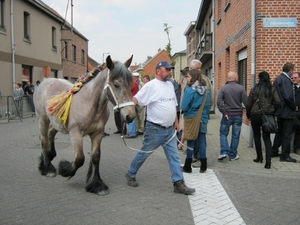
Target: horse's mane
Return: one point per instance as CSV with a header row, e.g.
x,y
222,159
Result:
x,y
120,69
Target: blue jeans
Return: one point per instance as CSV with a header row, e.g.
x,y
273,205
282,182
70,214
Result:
x,y
201,141
132,129
236,123
154,137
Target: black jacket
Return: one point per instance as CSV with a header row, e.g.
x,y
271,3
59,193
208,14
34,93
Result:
x,y
269,105
284,86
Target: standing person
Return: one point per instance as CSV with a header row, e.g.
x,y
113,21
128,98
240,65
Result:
x,y
285,114
269,102
182,84
140,110
196,64
194,97
29,93
36,84
18,97
160,99
296,82
229,101
177,93
131,126
146,79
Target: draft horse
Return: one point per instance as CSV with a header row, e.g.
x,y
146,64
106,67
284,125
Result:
x,y
88,114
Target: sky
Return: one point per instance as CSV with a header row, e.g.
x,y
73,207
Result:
x,y
129,27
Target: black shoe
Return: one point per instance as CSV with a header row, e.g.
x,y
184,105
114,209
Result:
x,y
128,136
139,133
258,160
105,134
268,165
288,159
118,132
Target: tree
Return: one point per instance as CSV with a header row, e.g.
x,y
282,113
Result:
x,y
168,47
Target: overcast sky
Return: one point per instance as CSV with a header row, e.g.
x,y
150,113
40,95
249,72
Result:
x,y
126,27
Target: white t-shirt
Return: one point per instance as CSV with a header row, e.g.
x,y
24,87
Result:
x,y
160,99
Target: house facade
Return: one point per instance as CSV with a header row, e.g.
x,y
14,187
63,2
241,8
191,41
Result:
x,y
247,37
32,37
179,58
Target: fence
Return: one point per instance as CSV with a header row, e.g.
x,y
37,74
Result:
x,y
9,109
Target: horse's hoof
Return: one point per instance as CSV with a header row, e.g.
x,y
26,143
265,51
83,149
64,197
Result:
x,y
103,192
52,174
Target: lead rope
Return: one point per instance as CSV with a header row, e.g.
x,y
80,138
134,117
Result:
x,y
138,150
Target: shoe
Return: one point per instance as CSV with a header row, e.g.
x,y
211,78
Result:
x,y
288,159
297,151
131,181
258,160
105,134
195,160
185,171
117,132
196,164
235,158
139,133
268,165
128,136
221,157
180,187
203,166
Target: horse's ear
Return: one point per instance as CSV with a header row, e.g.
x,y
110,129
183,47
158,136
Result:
x,y
128,62
109,63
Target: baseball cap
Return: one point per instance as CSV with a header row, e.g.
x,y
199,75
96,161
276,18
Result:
x,y
165,64
135,74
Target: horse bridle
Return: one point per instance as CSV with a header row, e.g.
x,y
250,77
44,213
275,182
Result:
x,y
117,106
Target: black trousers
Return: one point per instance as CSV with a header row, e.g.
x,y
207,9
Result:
x,y
283,137
256,123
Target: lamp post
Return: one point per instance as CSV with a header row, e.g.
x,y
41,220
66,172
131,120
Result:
x,y
103,56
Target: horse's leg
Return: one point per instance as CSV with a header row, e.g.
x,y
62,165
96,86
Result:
x,y
47,142
66,168
94,183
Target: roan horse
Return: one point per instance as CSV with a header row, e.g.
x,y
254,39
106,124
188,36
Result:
x,y
88,114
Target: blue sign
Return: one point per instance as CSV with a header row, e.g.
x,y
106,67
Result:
x,y
279,22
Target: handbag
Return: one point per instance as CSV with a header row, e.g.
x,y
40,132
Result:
x,y
269,124
192,125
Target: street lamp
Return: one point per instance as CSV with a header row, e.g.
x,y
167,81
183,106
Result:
x,y
103,56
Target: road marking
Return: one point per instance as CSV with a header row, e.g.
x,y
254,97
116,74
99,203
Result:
x,y
210,204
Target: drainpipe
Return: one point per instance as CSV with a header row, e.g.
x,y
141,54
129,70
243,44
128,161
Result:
x,y
253,65
12,44
213,55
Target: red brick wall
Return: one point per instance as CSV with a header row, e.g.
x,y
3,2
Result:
x,y
74,69
149,68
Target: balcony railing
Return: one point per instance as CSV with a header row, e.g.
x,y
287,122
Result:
x,y
205,45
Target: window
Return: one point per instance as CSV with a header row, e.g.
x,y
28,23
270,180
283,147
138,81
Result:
x,y
73,53
54,48
66,50
27,26
242,67
82,57
2,26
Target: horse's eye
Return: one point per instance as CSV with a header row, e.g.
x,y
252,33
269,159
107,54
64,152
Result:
x,y
116,85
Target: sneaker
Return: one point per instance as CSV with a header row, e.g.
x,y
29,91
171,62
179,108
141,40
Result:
x,y
131,181
221,157
180,187
196,164
236,158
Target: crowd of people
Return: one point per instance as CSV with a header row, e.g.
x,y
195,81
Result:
x,y
185,108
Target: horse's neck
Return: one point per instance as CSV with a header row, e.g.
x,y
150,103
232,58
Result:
x,y
97,85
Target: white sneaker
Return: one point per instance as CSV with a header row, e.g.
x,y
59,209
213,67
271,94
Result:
x,y
236,158
196,164
221,157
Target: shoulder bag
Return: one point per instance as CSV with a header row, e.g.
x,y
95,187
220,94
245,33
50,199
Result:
x,y
192,125
269,124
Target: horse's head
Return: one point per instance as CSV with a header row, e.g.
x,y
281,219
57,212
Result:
x,y
119,83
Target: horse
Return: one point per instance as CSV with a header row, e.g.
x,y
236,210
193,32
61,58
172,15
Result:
x,y
87,115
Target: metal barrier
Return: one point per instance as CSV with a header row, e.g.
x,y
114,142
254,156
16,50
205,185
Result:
x,y
9,109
